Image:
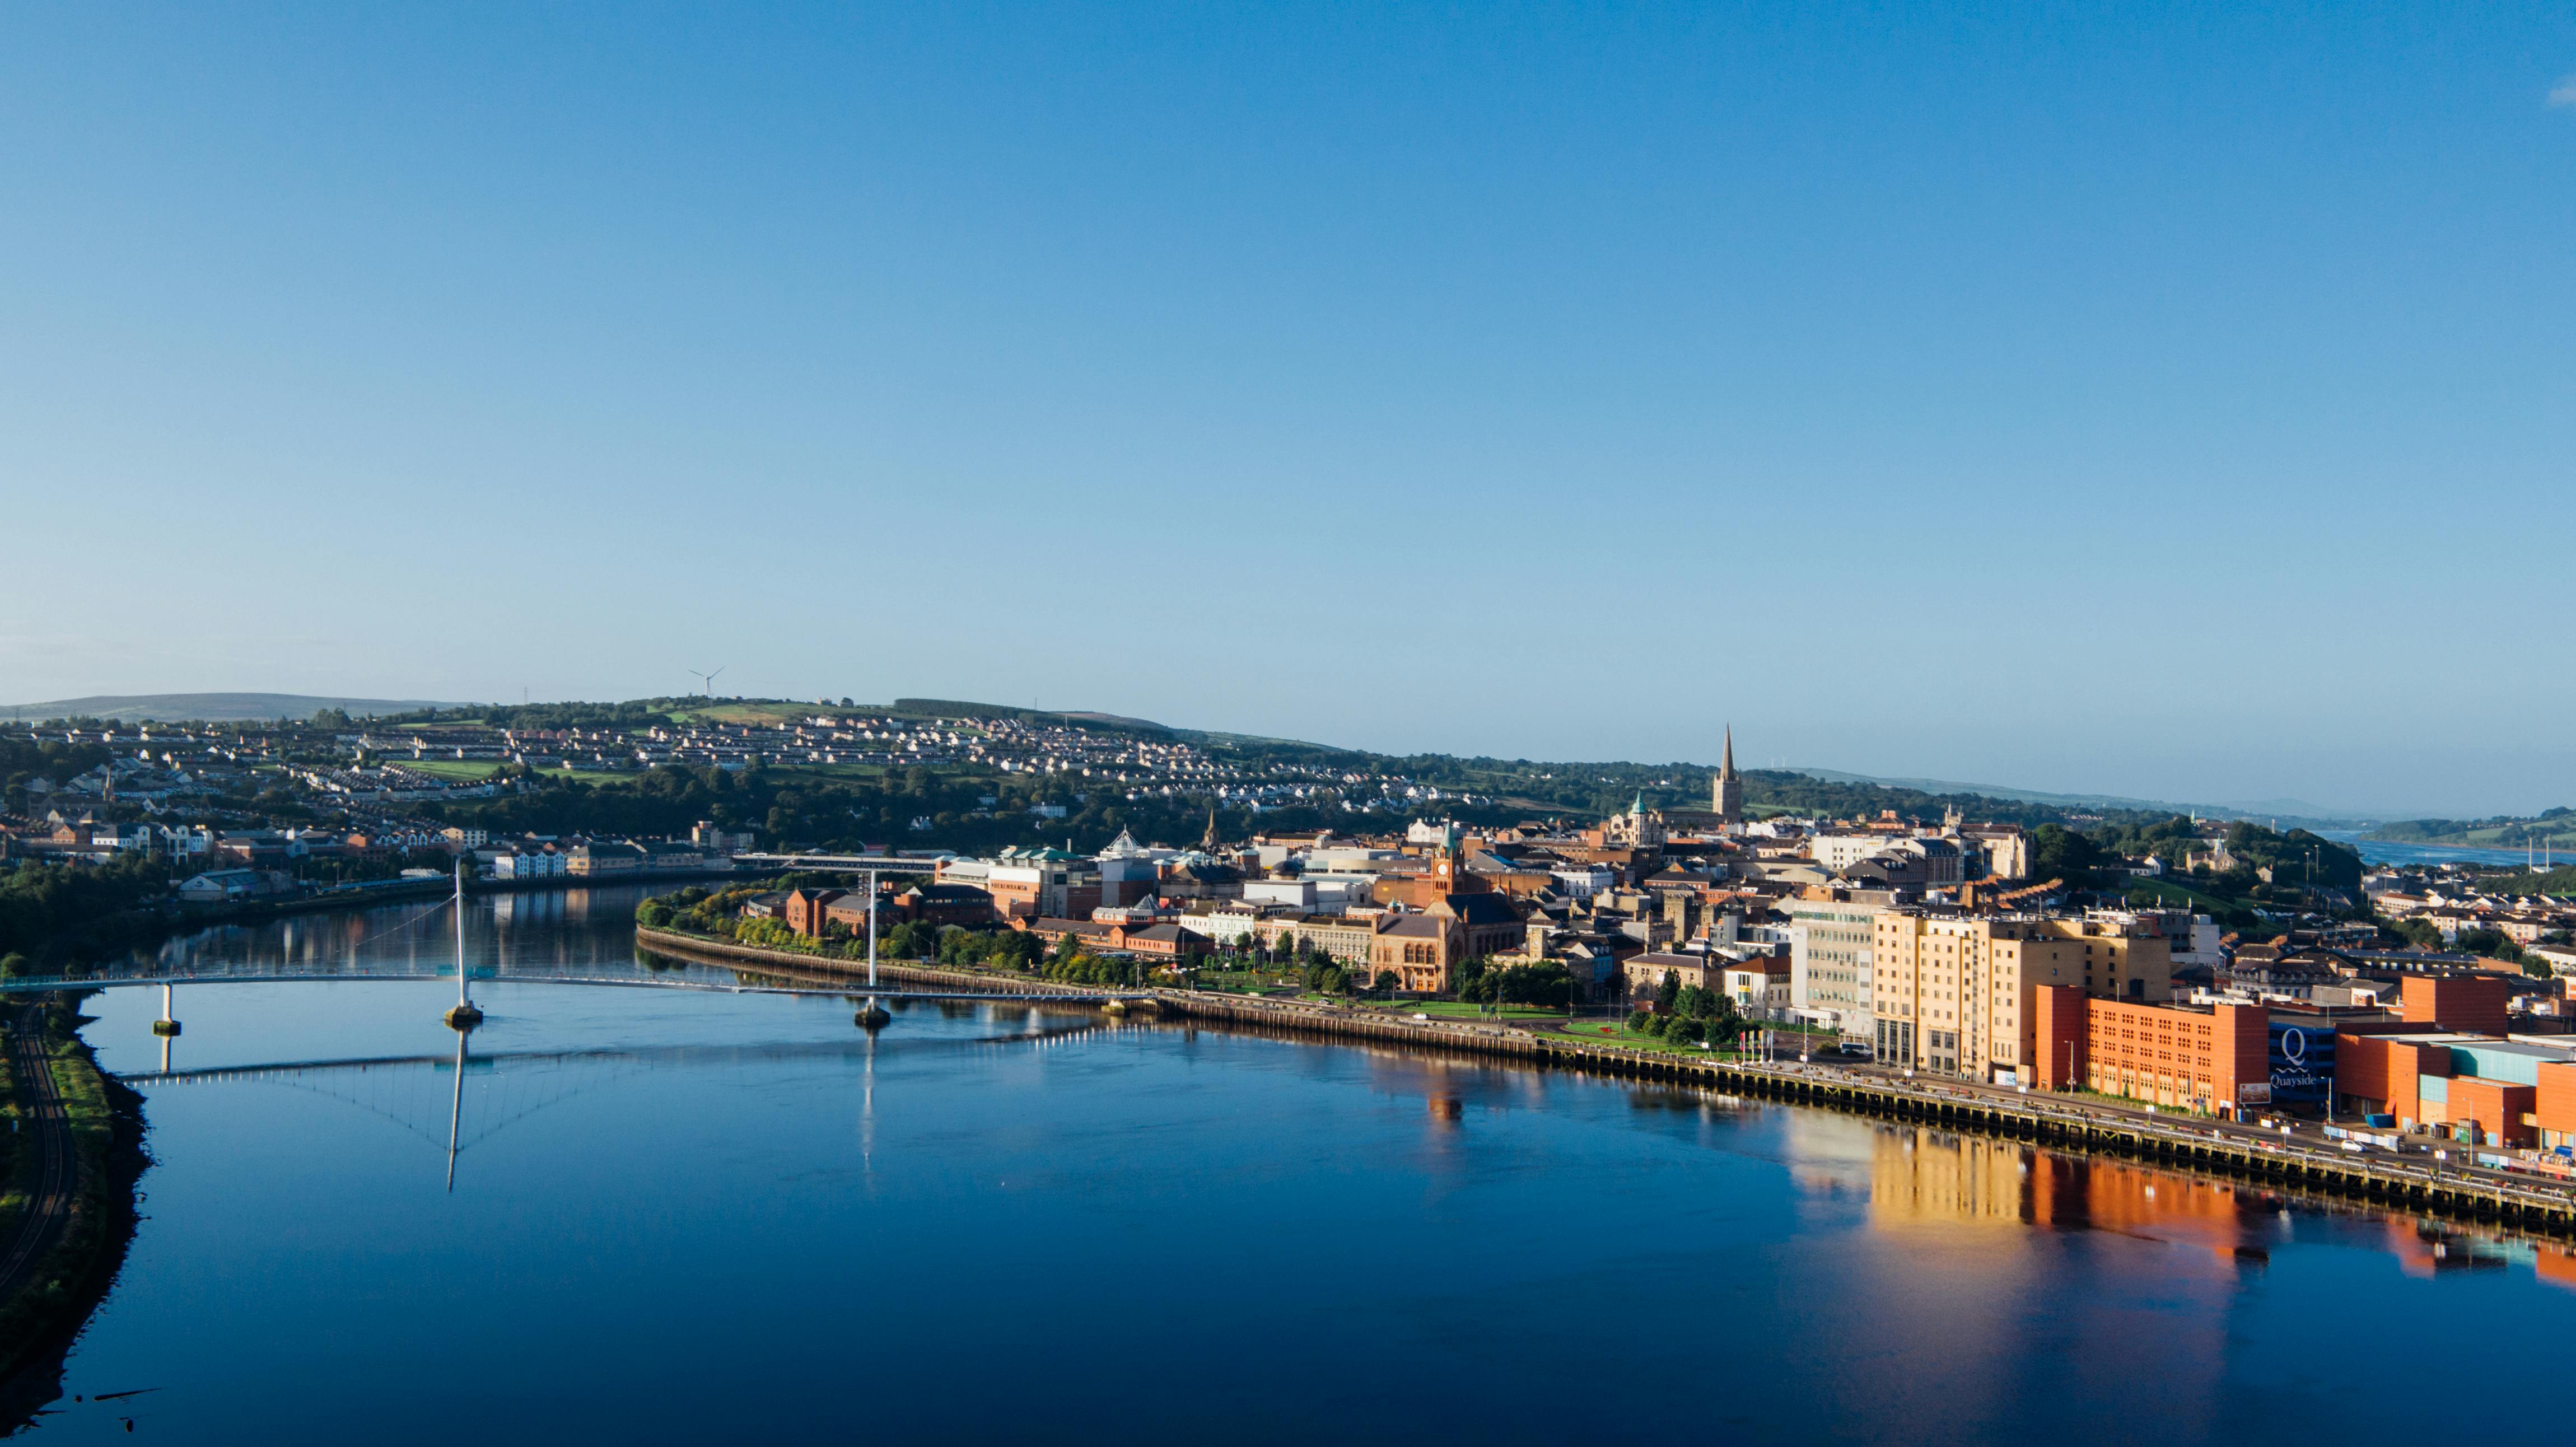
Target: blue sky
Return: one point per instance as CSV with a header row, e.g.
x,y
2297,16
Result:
x,y
2164,400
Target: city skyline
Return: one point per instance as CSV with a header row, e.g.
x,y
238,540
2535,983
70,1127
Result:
x,y
2148,403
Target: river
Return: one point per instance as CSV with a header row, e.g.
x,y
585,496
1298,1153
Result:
x,y
2383,851
680,1217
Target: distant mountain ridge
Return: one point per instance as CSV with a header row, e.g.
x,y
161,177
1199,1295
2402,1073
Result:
x,y
214,707
2289,811
248,707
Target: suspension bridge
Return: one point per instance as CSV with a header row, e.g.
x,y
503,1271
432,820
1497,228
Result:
x,y
455,1101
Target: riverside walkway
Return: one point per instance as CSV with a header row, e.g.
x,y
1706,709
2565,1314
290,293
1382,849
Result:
x,y
2245,1153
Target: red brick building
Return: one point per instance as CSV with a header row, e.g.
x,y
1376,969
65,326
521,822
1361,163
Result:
x,y
2471,1004
803,909
2216,1060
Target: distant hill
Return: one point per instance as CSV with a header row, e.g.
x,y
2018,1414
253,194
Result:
x,y
960,708
214,707
2289,811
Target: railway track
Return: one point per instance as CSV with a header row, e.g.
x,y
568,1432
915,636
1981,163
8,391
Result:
x,y
49,1198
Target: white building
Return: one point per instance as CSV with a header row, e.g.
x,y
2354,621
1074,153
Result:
x,y
1829,958
537,864
1582,881
1838,852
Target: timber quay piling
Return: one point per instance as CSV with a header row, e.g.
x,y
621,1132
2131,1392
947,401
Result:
x,y
2379,1180
2039,1119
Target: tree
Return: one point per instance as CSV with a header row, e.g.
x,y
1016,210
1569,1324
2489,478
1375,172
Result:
x,y
2417,932
1667,993
2057,852
1385,983
1727,1024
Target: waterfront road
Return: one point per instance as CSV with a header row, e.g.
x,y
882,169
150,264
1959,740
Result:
x,y
47,1131
2454,1166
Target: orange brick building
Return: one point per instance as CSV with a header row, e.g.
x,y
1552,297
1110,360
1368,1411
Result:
x,y
2482,1089
2472,1004
2216,1060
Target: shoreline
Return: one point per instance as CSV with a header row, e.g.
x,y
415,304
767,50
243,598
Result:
x,y
66,1284
2046,1119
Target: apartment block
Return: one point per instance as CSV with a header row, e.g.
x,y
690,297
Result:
x,y
1957,993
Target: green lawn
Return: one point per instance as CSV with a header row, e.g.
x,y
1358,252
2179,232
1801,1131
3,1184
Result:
x,y
831,771
1462,1010
1614,1032
467,771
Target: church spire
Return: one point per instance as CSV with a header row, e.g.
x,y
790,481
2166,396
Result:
x,y
1726,792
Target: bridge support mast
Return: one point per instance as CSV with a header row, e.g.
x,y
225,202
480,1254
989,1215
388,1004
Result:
x,y
168,1024
464,1017
874,1016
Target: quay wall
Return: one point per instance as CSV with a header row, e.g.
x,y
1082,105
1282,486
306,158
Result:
x,y
2040,1119
903,972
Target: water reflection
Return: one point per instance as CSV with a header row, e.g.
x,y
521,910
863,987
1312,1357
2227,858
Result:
x,y
566,928
1245,1219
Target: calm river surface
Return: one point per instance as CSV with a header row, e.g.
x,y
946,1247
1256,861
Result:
x,y
683,1218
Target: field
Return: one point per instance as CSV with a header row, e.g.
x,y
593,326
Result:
x,y
462,771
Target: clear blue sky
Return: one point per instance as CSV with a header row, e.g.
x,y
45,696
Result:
x,y
2166,400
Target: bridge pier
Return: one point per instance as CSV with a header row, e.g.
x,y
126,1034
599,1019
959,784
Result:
x,y
873,1017
168,1025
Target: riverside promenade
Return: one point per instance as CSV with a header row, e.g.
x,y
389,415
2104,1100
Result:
x,y
2241,1153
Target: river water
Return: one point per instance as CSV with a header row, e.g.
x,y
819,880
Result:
x,y
2381,851
681,1217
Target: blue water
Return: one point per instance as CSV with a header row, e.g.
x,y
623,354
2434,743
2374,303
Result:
x,y
685,1218
2377,851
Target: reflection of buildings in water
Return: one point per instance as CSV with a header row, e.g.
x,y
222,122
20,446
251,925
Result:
x,y
569,927
1922,1178
2426,1249
2054,1270
1828,1154
1925,1180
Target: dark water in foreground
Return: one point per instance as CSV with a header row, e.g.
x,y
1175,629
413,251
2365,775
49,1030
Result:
x,y
684,1218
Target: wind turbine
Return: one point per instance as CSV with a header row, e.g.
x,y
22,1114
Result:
x,y
708,679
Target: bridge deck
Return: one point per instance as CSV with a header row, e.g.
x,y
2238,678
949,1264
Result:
x,y
29,986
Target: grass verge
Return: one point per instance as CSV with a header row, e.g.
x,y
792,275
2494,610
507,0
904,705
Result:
x,y
106,1119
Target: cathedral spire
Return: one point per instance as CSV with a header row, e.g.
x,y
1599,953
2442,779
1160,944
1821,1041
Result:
x,y
1726,792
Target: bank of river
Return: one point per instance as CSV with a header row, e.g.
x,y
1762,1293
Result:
x,y
682,1217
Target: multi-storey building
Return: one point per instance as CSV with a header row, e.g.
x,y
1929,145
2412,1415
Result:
x,y
1954,992
2215,1060
1830,931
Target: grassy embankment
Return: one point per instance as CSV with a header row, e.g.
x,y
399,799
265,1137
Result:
x,y
106,1123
